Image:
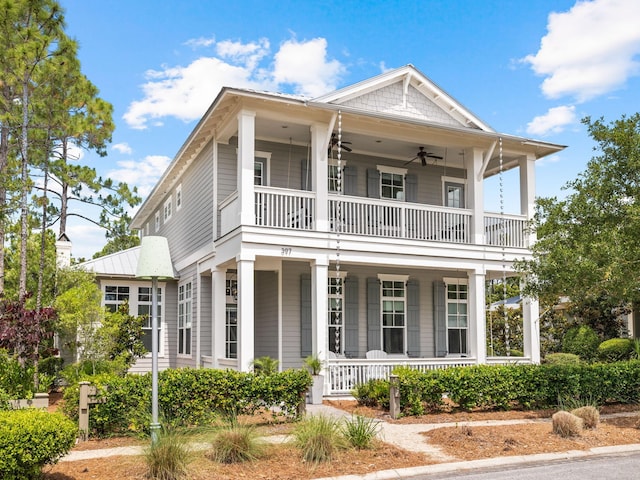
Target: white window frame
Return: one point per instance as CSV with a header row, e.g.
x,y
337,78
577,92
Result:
x,y
135,303
185,318
402,173
258,154
143,307
179,197
167,209
396,279
457,302
157,221
335,297
457,182
231,325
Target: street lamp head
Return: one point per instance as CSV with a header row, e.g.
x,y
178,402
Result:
x,y
155,259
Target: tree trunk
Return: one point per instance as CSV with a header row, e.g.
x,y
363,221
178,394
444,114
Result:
x,y
24,206
4,161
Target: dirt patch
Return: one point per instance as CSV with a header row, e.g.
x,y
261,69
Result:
x,y
461,442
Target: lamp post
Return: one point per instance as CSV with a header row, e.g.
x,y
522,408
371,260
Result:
x,y
154,264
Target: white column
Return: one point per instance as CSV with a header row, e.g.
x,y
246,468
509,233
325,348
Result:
x,y
475,194
246,314
528,189
246,160
319,174
531,328
477,316
218,332
319,276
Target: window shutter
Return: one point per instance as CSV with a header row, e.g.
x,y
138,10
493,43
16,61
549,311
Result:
x,y
305,316
373,183
411,186
413,318
440,318
373,314
351,317
305,181
350,180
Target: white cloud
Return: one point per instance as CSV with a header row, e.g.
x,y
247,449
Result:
x,y
123,148
543,162
143,174
589,50
86,238
200,42
185,92
554,121
305,66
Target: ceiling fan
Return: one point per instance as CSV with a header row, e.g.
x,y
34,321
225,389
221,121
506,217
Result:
x,y
334,143
422,154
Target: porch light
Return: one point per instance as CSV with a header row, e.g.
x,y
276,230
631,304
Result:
x,y
154,264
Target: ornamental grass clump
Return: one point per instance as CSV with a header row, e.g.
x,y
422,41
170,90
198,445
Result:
x,y
319,437
360,432
566,424
589,415
236,444
169,457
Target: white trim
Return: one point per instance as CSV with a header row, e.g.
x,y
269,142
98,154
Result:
x,y
156,220
395,170
455,280
393,278
188,302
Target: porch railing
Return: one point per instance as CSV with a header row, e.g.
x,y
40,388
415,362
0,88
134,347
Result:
x,y
343,374
385,218
284,208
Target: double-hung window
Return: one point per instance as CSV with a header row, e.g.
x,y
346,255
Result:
x,y
144,308
167,210
336,312
394,313
231,317
184,319
453,189
457,315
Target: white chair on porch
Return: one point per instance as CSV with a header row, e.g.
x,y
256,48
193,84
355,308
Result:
x,y
376,371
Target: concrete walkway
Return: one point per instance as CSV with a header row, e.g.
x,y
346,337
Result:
x,y
407,437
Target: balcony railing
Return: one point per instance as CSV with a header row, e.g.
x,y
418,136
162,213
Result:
x,y
365,216
295,209
283,208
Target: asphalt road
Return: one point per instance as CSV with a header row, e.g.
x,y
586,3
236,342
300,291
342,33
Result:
x,y
610,467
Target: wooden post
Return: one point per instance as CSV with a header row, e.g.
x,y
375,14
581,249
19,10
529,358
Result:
x,y
394,396
83,417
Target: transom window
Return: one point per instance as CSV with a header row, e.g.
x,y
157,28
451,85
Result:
x,y
394,322
457,316
184,319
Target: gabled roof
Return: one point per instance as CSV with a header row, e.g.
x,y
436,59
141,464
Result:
x,y
406,91
119,264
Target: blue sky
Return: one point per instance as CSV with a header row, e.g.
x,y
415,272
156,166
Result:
x,y
526,68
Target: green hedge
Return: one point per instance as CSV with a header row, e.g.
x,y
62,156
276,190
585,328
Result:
x,y
615,350
188,397
30,439
513,386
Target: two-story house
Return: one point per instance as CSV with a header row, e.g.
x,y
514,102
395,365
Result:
x,y
350,226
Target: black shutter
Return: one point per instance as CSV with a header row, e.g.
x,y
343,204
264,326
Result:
x,y
413,318
411,186
306,327
351,317
373,183
350,180
440,318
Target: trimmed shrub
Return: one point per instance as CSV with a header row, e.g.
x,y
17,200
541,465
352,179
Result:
x,y
169,457
615,350
374,393
566,424
360,431
582,341
30,439
236,444
562,359
590,416
419,392
318,437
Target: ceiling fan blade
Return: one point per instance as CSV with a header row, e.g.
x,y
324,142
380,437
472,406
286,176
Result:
x,y
344,147
437,157
407,163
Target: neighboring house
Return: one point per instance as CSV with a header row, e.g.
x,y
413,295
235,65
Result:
x,y
301,226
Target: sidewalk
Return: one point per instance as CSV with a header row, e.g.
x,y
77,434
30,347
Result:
x,y
407,437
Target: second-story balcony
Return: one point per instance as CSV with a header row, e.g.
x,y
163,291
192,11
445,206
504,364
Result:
x,y
294,209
